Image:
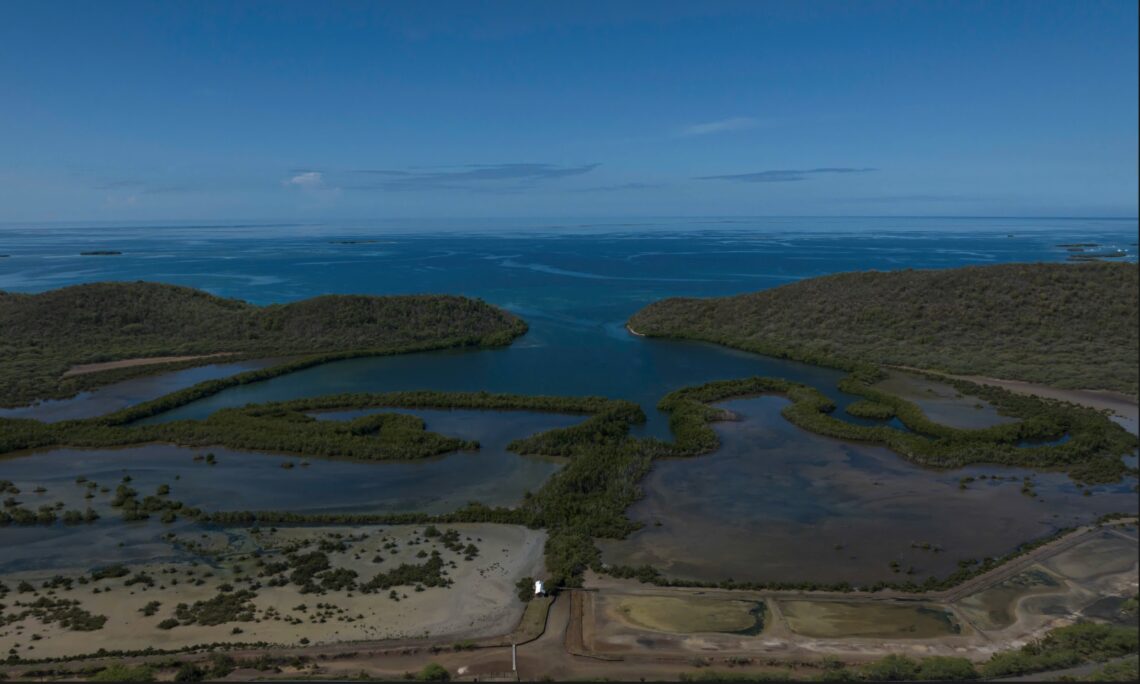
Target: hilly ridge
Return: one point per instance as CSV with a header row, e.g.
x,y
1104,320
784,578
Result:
x,y
1066,325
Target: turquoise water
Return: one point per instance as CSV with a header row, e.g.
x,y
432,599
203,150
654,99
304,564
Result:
x,y
576,283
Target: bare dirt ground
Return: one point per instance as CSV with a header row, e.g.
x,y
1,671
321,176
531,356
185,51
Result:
x,y
85,368
481,602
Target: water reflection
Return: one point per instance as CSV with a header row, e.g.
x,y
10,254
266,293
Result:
x,y
776,503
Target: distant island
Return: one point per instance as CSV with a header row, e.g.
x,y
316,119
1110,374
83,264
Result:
x,y
100,252
59,342
1072,326
1092,251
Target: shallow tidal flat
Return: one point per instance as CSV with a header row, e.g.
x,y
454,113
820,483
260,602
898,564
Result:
x,y
778,504
120,395
241,480
942,403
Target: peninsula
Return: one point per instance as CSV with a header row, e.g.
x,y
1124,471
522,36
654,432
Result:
x,y
53,341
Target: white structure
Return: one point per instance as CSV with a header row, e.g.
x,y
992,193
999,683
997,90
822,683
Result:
x,y
539,590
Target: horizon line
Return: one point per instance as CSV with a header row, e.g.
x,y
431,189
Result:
x,y
266,221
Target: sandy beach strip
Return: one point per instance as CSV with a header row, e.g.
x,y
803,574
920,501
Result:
x,y
85,368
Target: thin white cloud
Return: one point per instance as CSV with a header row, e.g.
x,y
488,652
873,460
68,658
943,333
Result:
x,y
121,200
785,175
307,179
737,123
474,177
312,186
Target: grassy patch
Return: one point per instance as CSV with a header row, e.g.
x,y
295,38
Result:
x,y
688,614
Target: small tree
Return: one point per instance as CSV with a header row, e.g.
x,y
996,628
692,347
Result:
x,y
189,672
946,668
892,668
525,587
434,672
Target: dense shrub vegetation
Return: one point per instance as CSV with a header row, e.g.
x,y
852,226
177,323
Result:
x,y
46,334
866,408
222,608
1065,647
1066,325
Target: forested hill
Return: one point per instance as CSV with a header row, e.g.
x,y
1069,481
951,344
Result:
x,y
1066,325
43,335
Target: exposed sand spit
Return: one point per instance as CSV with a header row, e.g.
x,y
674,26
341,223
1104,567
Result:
x,y
85,368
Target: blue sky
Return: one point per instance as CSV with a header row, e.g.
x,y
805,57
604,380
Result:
x,y
202,110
